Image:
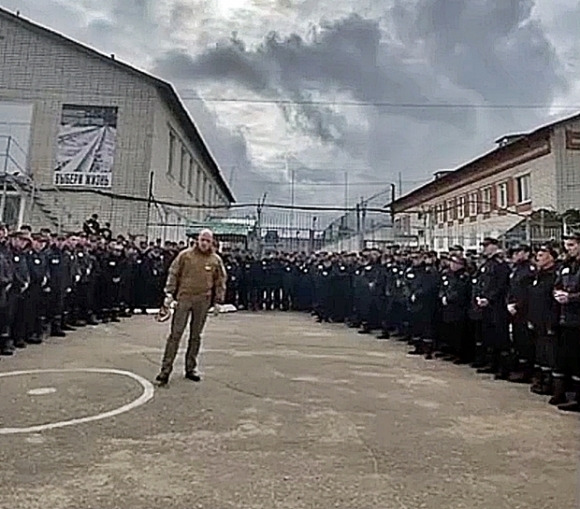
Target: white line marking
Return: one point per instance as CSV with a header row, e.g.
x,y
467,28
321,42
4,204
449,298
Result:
x,y
147,394
41,391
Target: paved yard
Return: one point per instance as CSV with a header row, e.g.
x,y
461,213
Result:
x,y
291,414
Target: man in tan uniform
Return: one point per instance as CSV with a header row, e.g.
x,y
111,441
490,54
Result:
x,y
195,277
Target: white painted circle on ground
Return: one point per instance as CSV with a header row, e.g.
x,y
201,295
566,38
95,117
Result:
x,y
42,391
146,395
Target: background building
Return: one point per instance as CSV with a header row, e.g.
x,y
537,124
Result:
x,y
516,192
82,133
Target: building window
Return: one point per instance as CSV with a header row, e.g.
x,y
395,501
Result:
x,y
440,214
450,210
502,195
198,184
183,167
486,200
171,153
524,185
461,207
204,191
472,237
190,176
473,204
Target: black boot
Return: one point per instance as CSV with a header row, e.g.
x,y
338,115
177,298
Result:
x,y
522,376
428,349
34,339
418,347
364,330
6,346
481,361
574,405
20,343
92,320
56,328
559,396
503,363
537,381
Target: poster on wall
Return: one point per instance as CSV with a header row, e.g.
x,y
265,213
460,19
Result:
x,y
86,146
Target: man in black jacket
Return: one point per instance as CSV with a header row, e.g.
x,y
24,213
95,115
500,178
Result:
x,y
454,296
567,294
490,297
521,277
542,319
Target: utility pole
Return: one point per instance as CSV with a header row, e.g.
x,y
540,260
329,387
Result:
x,y
528,230
259,208
149,200
5,181
393,199
313,235
292,186
345,192
400,184
362,224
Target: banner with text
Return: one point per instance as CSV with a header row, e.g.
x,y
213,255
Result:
x,y
86,146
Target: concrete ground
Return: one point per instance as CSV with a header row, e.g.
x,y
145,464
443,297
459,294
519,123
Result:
x,y
291,414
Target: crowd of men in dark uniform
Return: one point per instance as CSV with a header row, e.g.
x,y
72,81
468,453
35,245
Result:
x,y
514,315
52,284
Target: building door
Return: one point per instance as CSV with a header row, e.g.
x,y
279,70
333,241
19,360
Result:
x,y
12,211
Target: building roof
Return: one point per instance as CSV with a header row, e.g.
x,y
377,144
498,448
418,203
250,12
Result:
x,y
454,179
165,90
221,227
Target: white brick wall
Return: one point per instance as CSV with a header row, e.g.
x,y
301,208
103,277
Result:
x,y
469,233
568,169
49,73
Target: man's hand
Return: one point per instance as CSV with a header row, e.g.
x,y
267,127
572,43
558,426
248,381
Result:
x,y
512,309
482,302
168,301
562,297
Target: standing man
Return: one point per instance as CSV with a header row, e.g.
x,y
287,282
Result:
x,y
521,278
194,277
567,294
491,290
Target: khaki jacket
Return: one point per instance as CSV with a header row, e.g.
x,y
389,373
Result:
x,y
194,274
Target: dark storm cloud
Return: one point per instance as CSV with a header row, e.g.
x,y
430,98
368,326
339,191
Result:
x,y
438,51
230,151
347,55
263,73
489,46
452,52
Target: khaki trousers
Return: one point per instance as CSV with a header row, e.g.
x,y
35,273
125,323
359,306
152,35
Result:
x,y
196,309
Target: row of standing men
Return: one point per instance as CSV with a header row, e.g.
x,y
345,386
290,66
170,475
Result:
x,y
52,284
514,315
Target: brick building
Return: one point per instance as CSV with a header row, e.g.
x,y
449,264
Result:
x,y
510,192
97,134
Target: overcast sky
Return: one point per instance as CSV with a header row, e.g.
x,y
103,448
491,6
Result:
x,y
330,74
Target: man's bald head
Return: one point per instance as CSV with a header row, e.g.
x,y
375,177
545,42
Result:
x,y
205,240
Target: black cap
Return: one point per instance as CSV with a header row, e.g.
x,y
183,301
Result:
x,y
573,236
457,247
548,249
520,248
458,259
490,240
